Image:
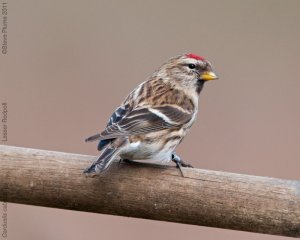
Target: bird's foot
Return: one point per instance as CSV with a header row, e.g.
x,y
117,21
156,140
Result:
x,y
125,161
180,163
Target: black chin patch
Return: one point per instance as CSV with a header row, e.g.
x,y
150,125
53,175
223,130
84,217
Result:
x,y
199,85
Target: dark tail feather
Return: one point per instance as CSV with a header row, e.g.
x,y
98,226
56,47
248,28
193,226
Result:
x,y
93,138
103,162
103,143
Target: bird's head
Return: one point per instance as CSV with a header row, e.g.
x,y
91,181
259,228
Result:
x,y
189,71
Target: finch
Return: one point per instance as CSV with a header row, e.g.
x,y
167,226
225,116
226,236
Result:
x,y
155,116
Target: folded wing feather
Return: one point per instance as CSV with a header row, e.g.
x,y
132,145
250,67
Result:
x,y
146,120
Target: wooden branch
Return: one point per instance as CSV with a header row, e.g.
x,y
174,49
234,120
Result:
x,y
202,197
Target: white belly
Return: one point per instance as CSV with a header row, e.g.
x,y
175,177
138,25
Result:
x,y
156,152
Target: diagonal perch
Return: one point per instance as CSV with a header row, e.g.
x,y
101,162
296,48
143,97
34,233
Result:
x,y
203,197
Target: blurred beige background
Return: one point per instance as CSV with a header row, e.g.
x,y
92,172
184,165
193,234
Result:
x,y
70,63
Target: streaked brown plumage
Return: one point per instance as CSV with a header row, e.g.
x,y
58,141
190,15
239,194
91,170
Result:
x,y
156,115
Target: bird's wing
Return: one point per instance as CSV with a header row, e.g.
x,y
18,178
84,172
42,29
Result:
x,y
118,114
146,120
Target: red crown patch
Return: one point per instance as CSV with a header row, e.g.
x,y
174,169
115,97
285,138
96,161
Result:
x,y
194,56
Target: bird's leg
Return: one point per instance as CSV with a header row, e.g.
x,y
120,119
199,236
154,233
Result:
x,y
126,160
120,161
179,162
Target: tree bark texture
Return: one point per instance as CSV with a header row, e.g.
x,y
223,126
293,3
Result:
x,y
201,197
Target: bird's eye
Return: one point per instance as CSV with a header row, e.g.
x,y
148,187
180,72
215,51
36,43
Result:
x,y
192,66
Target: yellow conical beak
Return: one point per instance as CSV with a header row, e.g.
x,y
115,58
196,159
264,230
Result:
x,y
207,76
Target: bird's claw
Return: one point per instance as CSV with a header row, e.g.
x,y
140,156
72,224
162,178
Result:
x,y
180,163
184,164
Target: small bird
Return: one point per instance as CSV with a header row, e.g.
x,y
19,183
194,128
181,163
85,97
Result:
x,y
155,116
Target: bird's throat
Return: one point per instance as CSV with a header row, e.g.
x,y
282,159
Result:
x,y
199,85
